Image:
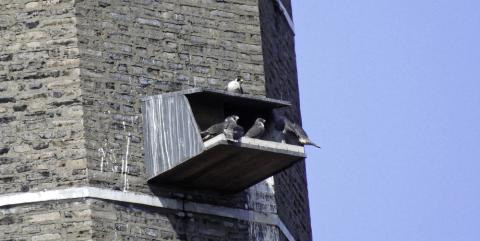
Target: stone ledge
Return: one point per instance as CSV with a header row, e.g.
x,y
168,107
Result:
x,y
148,200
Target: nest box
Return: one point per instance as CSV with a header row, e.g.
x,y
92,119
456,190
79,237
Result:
x,y
176,155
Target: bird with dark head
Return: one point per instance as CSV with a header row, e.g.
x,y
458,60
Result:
x,y
235,86
257,129
297,130
232,130
219,128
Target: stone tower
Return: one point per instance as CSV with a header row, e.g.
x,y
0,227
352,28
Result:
x,y
72,73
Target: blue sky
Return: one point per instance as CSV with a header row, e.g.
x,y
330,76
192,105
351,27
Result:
x,y
391,90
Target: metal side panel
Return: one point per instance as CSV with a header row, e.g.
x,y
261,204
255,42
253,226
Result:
x,y
171,134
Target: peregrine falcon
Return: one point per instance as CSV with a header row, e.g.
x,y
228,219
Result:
x,y
257,129
235,86
233,131
212,131
217,128
298,132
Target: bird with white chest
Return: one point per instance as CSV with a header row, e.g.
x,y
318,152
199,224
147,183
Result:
x,y
257,129
235,86
233,131
218,128
229,127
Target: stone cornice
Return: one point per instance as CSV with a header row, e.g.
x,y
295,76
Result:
x,y
148,200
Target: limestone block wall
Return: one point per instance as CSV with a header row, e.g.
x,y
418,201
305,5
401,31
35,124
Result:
x,y
72,73
130,49
41,125
117,221
61,220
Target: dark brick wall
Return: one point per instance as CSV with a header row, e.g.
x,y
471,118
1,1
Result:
x,y
41,131
282,83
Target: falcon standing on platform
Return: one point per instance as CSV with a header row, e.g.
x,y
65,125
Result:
x,y
233,131
257,129
219,128
235,86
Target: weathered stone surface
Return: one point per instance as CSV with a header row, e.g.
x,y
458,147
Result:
x,y
48,236
45,217
71,77
178,45
34,36
46,221
4,150
135,222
